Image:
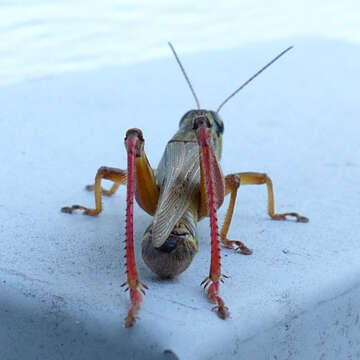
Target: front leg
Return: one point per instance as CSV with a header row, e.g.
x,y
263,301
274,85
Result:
x,y
118,176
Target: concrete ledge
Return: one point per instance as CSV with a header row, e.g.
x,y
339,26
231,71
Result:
x,y
296,297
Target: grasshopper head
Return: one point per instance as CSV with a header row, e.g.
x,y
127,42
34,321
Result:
x,y
216,125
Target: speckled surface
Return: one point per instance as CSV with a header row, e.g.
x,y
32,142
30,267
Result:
x,y
296,297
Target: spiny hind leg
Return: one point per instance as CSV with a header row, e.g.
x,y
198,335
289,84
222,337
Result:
x,y
253,178
212,195
232,183
118,176
140,180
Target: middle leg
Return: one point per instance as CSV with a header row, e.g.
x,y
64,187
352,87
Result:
x,y
254,178
232,183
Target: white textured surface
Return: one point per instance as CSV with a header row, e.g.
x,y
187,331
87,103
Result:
x,y
296,297
62,274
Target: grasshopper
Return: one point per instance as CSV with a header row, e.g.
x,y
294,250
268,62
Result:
x,y
187,186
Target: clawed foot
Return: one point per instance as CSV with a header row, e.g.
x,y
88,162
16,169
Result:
x,y
130,320
213,296
298,217
222,311
86,211
136,301
238,246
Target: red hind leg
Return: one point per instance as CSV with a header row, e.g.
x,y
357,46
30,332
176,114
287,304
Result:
x,y
214,193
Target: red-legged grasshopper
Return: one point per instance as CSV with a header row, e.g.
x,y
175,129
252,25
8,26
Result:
x,y
187,186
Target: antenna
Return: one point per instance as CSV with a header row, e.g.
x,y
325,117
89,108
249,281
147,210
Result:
x,y
186,77
252,78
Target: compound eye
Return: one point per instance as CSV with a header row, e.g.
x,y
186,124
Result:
x,y
220,125
218,122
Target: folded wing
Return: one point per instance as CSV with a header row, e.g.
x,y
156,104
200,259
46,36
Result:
x,y
178,176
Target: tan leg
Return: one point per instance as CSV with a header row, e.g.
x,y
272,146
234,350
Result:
x,y
253,178
232,183
116,175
